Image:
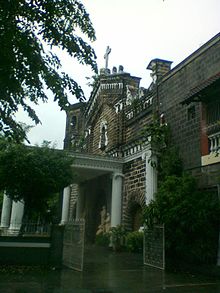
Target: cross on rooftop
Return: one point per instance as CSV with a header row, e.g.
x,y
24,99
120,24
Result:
x,y
106,56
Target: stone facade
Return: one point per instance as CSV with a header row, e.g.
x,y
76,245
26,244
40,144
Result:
x,y
109,126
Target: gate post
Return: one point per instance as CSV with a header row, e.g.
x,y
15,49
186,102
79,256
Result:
x,y
56,249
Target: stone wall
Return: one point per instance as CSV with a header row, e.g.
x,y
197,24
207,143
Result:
x,y
33,250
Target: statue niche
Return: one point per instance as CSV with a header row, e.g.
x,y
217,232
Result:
x,y
103,139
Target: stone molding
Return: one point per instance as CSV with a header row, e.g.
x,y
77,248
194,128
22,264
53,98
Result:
x,y
143,151
97,162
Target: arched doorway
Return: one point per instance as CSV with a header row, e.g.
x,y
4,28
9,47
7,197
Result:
x,y
136,215
132,215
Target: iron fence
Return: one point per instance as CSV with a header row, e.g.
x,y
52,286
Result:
x,y
27,229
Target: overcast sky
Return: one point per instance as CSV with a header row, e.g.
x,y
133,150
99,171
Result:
x,y
136,31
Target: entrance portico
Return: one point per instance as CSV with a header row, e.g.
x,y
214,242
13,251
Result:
x,y
93,174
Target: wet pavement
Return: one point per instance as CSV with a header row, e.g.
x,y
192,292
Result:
x,y
107,272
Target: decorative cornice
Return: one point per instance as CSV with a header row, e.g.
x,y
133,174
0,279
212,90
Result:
x,y
97,162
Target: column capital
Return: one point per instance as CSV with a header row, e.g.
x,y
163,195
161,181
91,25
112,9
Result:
x,y
115,175
146,154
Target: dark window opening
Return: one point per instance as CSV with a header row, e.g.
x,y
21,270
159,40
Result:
x,y
191,113
73,121
103,138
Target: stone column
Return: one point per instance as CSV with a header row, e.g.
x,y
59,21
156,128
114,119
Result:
x,y
6,212
16,217
116,199
65,206
151,176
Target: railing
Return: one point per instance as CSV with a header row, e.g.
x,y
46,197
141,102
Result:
x,y
214,141
27,229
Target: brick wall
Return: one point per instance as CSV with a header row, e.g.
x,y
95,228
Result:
x,y
109,115
134,179
112,90
133,188
74,125
134,128
174,89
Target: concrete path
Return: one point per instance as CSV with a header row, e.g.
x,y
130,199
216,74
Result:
x,y
107,272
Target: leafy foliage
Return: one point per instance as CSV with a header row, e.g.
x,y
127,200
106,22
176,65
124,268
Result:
x,y
120,239
33,174
168,159
134,241
29,31
191,219
103,239
93,80
159,135
117,236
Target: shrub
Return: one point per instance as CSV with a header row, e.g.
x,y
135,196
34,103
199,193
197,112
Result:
x,y
102,239
191,219
134,241
117,236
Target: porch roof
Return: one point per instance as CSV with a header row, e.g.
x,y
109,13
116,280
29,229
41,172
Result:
x,y
89,166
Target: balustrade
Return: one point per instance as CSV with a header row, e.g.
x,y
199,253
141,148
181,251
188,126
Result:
x,y
214,141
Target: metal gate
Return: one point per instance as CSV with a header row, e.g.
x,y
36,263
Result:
x,y
73,244
154,246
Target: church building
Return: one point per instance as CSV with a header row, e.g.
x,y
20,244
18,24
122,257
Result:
x,y
114,161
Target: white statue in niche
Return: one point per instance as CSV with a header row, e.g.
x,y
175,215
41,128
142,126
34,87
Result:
x,y
103,139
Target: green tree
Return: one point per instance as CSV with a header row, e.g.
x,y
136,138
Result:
x,y
29,31
191,219
33,174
